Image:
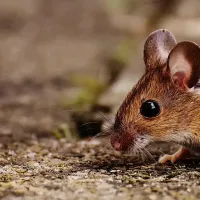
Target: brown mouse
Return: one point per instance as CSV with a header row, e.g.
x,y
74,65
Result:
x,y
163,105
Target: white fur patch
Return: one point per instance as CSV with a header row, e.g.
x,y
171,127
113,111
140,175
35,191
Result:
x,y
141,142
192,90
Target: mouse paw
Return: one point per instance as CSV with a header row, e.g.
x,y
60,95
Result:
x,y
180,154
167,157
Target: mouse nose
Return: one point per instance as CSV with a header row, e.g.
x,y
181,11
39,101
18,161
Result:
x,y
116,143
117,146
122,142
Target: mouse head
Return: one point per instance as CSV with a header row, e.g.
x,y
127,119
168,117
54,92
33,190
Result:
x,y
157,108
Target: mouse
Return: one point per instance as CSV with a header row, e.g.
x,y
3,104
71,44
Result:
x,y
164,105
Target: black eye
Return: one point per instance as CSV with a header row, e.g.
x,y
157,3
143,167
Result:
x,y
150,108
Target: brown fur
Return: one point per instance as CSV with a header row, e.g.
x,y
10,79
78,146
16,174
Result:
x,y
179,120
180,111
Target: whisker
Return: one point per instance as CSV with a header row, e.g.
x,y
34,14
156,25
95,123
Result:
x,y
99,135
105,132
89,129
149,154
106,117
104,125
132,151
99,113
87,123
143,155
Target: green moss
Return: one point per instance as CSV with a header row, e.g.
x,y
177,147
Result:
x,y
91,88
63,131
124,50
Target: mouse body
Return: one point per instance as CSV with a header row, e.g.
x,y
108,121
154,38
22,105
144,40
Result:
x,y
163,105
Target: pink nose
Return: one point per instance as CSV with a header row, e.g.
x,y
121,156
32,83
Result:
x,y
117,146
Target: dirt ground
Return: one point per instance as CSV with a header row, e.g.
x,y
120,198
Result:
x,y
43,44
51,169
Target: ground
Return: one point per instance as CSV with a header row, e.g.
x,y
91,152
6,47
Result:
x,y
51,169
44,49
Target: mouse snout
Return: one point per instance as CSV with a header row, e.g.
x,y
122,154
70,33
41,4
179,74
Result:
x,y
121,142
117,145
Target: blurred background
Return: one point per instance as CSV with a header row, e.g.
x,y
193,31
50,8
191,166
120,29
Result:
x,y
65,63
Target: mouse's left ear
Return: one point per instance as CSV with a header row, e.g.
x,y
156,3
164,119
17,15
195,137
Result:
x,y
183,64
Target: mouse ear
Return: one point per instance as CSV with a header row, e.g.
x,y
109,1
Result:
x,y
184,64
157,48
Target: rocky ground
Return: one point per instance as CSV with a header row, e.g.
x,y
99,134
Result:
x,y
49,50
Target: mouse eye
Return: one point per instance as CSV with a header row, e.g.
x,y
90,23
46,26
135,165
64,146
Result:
x,y
150,108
